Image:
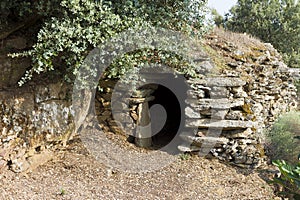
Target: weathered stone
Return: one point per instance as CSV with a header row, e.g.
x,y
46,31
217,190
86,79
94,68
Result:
x,y
120,106
239,92
188,148
123,117
219,92
190,113
134,116
223,82
235,115
141,100
204,104
214,114
199,140
143,133
239,133
17,43
225,124
143,93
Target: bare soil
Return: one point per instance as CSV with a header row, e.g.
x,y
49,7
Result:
x,y
75,174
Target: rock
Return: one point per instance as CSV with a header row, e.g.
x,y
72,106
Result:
x,y
143,93
120,106
123,117
219,92
225,124
235,115
239,92
143,133
239,133
17,43
204,104
223,82
19,165
190,113
141,100
39,159
188,149
197,141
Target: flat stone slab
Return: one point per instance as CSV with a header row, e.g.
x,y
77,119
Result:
x,y
224,124
220,81
199,140
221,104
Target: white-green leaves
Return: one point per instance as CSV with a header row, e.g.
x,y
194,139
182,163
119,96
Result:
x,y
84,24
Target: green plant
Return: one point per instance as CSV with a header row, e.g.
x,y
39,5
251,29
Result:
x,y
62,192
83,25
283,142
184,156
289,178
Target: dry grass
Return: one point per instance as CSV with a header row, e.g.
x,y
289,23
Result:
x,y
244,42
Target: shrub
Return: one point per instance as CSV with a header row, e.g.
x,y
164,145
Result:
x,y
82,25
284,142
289,178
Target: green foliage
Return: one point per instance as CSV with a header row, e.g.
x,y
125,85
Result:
x,y
62,192
82,25
284,143
273,21
184,156
289,178
217,18
186,16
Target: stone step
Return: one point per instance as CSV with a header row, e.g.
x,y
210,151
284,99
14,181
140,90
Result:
x,y
223,124
197,141
188,149
220,104
202,150
220,82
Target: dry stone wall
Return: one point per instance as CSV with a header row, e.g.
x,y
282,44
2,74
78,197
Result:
x,y
251,88
32,120
251,91
242,100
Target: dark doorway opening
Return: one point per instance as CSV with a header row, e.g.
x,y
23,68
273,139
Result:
x,y
172,122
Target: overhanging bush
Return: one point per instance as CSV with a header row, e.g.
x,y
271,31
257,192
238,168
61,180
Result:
x,y
83,24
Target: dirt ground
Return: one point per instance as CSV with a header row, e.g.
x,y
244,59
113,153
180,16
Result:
x,y
74,174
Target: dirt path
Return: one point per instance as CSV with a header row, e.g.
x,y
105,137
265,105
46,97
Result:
x,y
74,174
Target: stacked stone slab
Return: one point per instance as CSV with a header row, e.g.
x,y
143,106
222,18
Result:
x,y
129,113
243,101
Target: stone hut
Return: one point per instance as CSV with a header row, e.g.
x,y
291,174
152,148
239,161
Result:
x,y
229,109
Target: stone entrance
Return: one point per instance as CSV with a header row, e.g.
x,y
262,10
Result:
x,y
172,120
